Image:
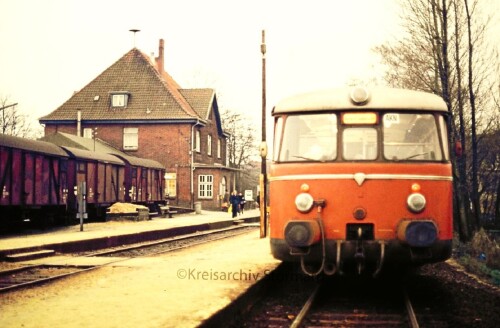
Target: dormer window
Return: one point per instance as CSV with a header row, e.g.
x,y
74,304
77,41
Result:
x,y
119,99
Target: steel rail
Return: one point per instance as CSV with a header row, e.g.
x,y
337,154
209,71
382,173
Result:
x,y
305,309
15,283
409,309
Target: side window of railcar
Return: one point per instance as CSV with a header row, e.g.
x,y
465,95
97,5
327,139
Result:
x,y
278,129
311,137
444,137
411,137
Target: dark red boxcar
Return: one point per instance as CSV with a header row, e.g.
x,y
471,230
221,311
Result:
x,y
32,179
103,175
144,180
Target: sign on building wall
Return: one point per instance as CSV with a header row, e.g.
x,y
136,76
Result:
x,y
171,184
248,195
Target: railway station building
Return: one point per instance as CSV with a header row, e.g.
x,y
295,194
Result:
x,y
136,107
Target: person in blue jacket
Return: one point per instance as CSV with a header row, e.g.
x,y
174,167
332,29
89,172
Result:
x,y
234,200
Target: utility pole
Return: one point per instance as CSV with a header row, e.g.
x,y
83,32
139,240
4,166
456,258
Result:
x,y
5,125
263,146
11,105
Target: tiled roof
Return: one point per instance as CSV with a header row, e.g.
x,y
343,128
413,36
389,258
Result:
x,y
203,101
152,95
200,100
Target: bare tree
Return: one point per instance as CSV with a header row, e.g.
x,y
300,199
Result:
x,y
12,122
443,39
488,177
241,143
242,148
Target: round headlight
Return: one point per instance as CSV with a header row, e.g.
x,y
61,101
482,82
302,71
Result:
x,y
416,202
304,202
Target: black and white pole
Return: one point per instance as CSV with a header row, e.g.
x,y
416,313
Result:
x,y
82,203
263,146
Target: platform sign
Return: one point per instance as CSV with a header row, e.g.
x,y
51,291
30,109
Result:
x,y
248,195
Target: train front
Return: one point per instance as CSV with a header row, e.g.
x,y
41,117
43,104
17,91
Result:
x,y
360,188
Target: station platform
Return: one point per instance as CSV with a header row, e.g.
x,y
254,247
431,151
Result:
x,y
114,233
185,288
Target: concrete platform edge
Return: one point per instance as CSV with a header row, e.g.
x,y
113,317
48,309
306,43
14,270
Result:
x,y
97,243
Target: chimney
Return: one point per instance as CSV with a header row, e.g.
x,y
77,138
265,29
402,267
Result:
x,y
159,59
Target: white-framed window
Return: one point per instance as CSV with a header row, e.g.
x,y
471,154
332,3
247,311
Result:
x,y
88,133
218,148
119,99
130,138
197,141
209,145
205,186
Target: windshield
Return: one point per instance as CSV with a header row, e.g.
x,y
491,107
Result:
x,y
359,143
392,136
309,138
411,137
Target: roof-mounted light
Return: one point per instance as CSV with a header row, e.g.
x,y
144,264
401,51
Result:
x,y
359,95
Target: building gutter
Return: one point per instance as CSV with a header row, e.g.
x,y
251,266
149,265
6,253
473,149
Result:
x,y
131,121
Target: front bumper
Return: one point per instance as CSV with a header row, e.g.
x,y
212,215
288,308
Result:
x,y
396,252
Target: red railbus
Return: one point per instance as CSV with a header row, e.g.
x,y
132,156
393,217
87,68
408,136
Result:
x,y
360,180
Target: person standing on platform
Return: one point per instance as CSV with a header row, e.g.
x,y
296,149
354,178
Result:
x,y
234,200
242,202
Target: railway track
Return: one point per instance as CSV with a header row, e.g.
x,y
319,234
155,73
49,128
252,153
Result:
x,y
34,275
341,302
355,313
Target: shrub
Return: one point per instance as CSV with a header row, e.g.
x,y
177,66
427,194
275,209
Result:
x,y
486,248
480,256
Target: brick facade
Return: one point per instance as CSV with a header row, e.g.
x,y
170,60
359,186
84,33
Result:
x,y
167,118
170,145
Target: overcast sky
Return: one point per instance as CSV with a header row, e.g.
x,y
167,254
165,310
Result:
x,y
52,48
